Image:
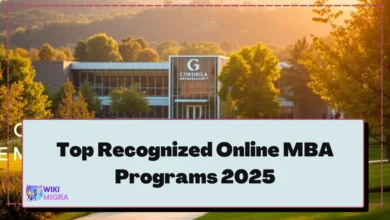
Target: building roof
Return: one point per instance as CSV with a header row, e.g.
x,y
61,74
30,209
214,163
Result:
x,y
132,65
120,65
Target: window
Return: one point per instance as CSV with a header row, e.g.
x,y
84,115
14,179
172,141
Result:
x,y
151,92
114,81
98,85
106,81
151,81
159,82
83,77
76,79
166,81
128,81
144,81
91,78
136,80
121,81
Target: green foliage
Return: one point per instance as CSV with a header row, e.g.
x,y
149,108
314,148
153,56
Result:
x,y
90,97
47,52
215,25
201,48
129,50
26,98
71,108
251,74
295,79
346,73
102,48
129,101
167,48
148,55
81,51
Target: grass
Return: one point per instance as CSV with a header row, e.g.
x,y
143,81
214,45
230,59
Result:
x,y
71,215
375,212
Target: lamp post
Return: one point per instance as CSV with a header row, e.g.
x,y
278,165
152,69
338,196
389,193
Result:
x,y
236,110
101,111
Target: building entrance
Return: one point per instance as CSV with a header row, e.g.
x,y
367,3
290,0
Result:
x,y
194,111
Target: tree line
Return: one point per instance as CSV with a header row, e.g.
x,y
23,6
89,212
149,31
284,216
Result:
x,y
34,27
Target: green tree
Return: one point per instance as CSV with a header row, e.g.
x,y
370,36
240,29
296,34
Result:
x,y
71,108
168,52
228,107
33,53
90,97
21,70
67,52
81,51
142,42
129,51
148,55
47,52
347,72
26,98
251,74
129,101
165,45
13,107
201,48
102,48
295,79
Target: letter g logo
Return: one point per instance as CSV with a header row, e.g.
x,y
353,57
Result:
x,y
193,65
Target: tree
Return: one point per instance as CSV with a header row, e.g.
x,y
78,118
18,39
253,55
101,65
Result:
x,y
129,51
13,107
67,52
347,73
47,52
26,98
80,51
166,44
168,52
129,101
142,42
295,78
148,55
90,97
102,48
33,53
71,108
201,48
228,108
251,74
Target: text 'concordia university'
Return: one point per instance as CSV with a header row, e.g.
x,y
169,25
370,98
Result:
x,y
185,87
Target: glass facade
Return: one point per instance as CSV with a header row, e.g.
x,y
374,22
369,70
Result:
x,y
154,83
193,93
185,88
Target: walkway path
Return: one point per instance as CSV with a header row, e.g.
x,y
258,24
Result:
x,y
144,215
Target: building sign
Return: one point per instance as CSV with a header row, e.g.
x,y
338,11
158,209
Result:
x,y
193,71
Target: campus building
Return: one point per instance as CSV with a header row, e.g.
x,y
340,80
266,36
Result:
x,y
185,87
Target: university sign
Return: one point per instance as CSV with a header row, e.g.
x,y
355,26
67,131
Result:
x,y
193,71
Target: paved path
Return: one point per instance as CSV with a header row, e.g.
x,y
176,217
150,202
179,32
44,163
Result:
x,y
144,216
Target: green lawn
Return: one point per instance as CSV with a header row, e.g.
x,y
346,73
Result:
x,y
71,215
375,212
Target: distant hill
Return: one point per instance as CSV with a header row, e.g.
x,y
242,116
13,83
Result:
x,y
242,25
